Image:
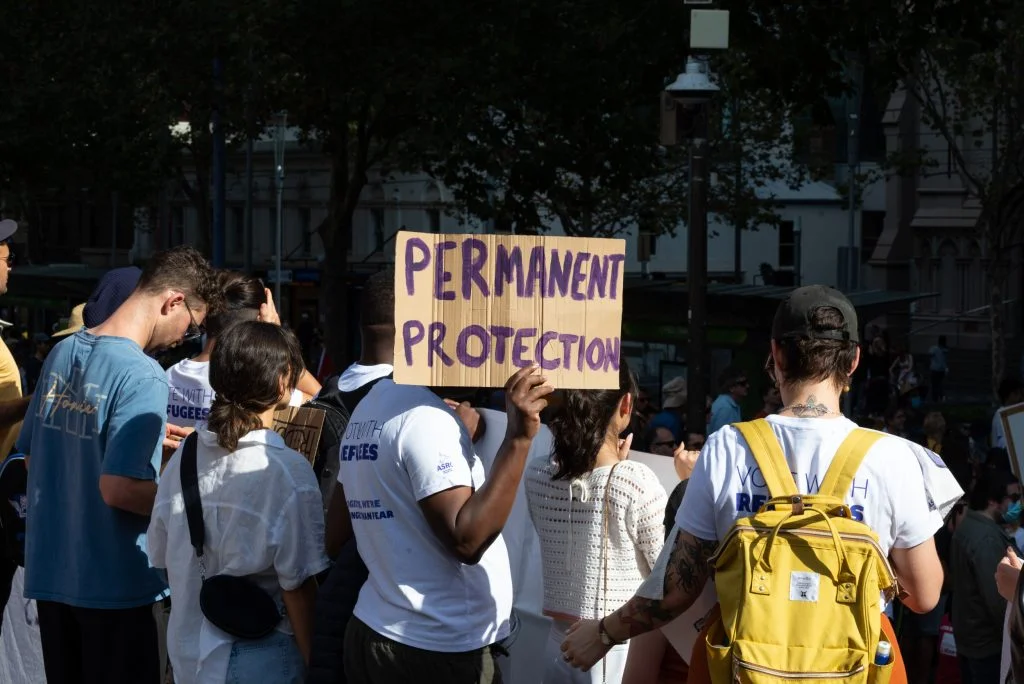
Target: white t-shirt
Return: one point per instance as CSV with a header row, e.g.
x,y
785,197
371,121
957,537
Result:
x,y
263,518
402,445
190,396
888,493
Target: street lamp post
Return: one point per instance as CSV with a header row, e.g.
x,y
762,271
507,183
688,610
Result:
x,y
692,91
280,130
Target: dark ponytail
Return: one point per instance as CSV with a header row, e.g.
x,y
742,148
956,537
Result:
x,y
580,425
246,369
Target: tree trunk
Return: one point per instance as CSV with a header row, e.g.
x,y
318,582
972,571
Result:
x,y
997,282
336,234
334,293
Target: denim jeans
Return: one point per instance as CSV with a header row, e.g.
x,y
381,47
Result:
x,y
274,659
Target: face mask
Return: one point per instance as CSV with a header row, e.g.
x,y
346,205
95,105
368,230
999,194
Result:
x,y
1012,513
915,402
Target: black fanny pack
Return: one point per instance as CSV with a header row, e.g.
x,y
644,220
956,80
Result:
x,y
236,605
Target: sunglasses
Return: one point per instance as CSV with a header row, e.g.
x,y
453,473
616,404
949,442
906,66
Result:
x,y
194,331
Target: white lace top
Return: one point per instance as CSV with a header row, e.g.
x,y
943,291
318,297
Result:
x,y
569,529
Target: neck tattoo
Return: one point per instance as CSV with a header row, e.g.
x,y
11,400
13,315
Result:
x,y
811,408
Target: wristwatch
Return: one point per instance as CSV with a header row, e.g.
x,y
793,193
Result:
x,y
606,638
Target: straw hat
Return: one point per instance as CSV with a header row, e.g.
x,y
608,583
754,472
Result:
x,y
73,323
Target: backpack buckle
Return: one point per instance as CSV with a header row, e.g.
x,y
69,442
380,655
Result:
x,y
798,505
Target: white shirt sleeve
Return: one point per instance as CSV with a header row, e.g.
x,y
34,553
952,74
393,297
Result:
x,y
436,451
697,512
914,518
156,535
297,539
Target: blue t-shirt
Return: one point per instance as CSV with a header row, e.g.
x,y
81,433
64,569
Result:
x,y
725,411
99,409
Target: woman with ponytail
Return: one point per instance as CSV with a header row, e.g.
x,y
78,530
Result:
x,y
598,517
262,516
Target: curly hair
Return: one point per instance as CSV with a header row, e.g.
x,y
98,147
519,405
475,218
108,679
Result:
x,y
580,424
186,270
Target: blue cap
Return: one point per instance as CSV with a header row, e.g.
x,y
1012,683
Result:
x,y
111,292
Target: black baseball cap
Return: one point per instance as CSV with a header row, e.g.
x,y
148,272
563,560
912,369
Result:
x,y
793,317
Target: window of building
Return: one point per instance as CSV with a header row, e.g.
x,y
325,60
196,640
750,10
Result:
x,y
785,273
434,220
872,223
377,224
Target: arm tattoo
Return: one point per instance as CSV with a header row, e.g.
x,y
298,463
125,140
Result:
x,y
685,577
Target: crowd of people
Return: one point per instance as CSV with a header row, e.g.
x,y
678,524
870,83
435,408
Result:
x,y
169,534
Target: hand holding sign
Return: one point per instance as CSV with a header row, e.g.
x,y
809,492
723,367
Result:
x,y
525,394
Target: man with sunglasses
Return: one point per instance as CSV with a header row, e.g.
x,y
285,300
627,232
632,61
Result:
x,y
94,432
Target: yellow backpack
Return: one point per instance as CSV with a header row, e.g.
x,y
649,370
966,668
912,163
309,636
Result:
x,y
800,581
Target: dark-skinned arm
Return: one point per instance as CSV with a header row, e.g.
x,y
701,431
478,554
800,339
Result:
x,y
339,523
687,572
467,521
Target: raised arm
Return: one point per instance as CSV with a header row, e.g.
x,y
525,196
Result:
x,y
468,520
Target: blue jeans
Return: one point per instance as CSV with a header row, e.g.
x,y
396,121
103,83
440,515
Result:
x,y
274,659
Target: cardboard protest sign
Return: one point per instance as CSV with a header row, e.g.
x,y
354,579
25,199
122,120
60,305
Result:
x,y
300,427
472,309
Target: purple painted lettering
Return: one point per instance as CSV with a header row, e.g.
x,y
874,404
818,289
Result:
x,y
558,274
598,276
535,275
567,340
441,274
581,352
579,275
474,256
508,266
595,354
501,334
539,354
616,261
437,333
519,347
412,334
412,264
466,358
613,350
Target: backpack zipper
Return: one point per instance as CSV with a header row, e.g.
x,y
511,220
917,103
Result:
x,y
890,575
781,674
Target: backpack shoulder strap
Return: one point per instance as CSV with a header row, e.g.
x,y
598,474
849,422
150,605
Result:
x,y
190,493
851,453
769,457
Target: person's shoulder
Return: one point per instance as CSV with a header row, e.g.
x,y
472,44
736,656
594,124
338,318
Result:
x,y
637,471
642,477
288,460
